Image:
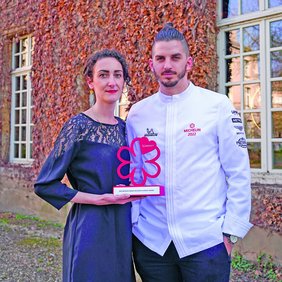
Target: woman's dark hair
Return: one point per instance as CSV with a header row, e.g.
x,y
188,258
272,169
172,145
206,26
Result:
x,y
106,53
168,33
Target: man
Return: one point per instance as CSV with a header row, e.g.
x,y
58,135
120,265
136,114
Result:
x,y
188,234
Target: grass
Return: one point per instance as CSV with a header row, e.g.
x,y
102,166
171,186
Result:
x,y
42,242
10,218
40,222
262,268
240,263
4,221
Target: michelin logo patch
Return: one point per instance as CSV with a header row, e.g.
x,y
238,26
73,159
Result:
x,y
242,143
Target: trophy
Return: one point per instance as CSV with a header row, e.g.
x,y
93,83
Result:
x,y
139,189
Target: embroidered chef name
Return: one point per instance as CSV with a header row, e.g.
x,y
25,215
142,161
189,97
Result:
x,y
192,130
150,132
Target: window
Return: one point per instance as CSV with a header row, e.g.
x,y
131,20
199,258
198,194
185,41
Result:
x,y
233,8
275,89
21,112
250,54
121,106
236,7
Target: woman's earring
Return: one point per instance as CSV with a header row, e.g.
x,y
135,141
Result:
x,y
91,97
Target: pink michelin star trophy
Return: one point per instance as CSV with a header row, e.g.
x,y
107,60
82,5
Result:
x,y
140,189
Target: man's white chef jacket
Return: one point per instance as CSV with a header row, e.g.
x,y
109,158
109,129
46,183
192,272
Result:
x,y
205,171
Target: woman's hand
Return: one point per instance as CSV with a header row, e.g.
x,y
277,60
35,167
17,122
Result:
x,y
104,199
111,199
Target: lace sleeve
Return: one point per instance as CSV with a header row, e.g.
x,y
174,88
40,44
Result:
x,y
69,135
48,185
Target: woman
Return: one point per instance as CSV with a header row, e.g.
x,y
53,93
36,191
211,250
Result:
x,y
97,236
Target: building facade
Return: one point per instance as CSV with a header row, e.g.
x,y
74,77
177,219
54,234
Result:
x,y
237,51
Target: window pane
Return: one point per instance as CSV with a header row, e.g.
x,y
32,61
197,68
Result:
x,y
250,6
24,101
23,133
30,151
277,124
232,42
31,98
274,3
31,133
17,117
254,149
230,8
24,44
122,111
252,98
31,115
277,154
18,83
24,82
17,100
24,60
276,94
23,116
251,38
276,34
233,70
23,151
17,133
124,98
16,151
17,47
252,125
251,67
17,61
234,94
276,64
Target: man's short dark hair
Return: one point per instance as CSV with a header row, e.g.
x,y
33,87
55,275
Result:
x,y
168,33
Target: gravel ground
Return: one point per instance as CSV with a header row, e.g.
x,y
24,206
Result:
x,y
30,251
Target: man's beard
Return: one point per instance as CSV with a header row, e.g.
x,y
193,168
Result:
x,y
173,82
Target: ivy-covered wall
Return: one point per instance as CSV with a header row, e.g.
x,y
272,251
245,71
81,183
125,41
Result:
x,y
67,32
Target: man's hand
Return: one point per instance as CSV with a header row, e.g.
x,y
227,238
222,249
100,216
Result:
x,y
228,245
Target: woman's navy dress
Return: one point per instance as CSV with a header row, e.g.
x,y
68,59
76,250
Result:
x,y
97,239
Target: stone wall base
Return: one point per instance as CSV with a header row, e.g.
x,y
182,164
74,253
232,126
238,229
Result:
x,y
261,241
18,196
